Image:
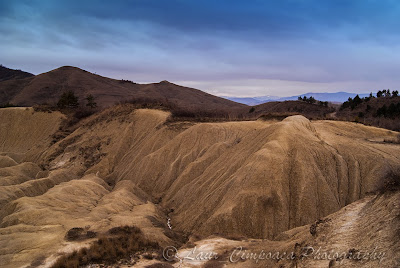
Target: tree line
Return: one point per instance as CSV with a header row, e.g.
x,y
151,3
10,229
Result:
x,y
388,111
312,100
353,103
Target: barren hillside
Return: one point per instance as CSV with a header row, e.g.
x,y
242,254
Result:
x,y
48,87
253,179
7,74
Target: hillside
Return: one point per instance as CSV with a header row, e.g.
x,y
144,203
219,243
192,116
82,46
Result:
x,y
185,102
358,235
293,107
381,112
48,87
125,166
8,74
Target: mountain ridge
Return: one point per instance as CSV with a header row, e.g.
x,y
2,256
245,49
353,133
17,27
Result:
x,y
9,74
49,86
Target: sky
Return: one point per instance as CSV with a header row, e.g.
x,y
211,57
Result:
x,y
224,47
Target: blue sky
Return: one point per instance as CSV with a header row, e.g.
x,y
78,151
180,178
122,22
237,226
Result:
x,y
225,47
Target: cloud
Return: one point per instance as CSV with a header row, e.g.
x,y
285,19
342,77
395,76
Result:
x,y
324,43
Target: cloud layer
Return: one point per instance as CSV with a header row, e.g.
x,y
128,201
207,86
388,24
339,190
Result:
x,y
225,47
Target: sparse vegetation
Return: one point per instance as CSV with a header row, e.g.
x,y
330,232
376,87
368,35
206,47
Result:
x,y
78,233
126,81
395,140
68,100
118,243
314,226
382,110
90,101
6,105
312,100
188,114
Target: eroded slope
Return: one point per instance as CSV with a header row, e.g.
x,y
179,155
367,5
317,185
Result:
x,y
253,179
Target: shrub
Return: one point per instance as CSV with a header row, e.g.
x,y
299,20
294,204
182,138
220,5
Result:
x,y
78,233
68,100
7,104
393,140
121,242
90,101
83,113
314,226
126,81
74,233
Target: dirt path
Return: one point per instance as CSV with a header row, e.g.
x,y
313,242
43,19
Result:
x,y
343,237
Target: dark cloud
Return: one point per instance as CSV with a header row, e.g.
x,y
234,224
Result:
x,y
312,41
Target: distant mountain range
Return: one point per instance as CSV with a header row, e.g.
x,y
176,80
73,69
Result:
x,y
331,97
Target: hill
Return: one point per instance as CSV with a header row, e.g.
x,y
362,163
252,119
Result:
x,y
292,107
382,111
8,74
48,87
253,180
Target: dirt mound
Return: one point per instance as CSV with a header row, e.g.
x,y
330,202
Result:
x,y
254,179
26,133
358,235
6,161
294,171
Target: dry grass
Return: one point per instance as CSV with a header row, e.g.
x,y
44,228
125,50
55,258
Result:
x,y
119,243
275,116
393,140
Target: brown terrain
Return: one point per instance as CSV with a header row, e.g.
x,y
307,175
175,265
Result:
x,y
311,111
119,186
367,113
48,87
260,182
9,74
